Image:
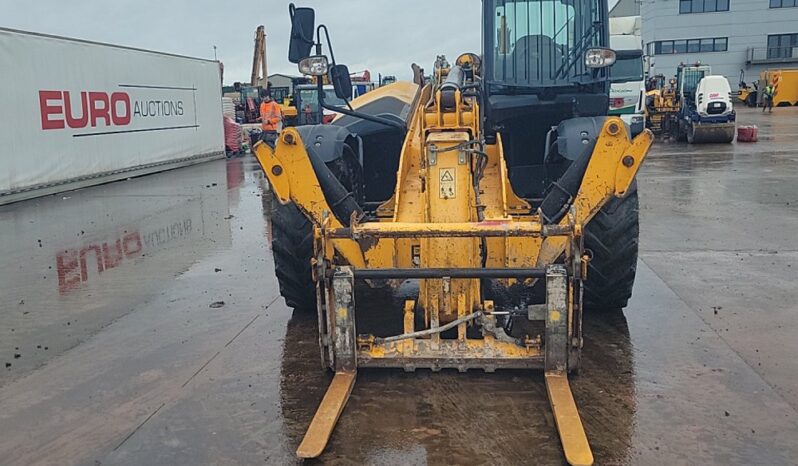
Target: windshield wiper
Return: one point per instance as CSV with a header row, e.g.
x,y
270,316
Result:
x,y
576,53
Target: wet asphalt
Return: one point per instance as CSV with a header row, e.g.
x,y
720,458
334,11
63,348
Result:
x,y
140,323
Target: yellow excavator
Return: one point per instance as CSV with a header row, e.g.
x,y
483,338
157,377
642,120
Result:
x,y
501,190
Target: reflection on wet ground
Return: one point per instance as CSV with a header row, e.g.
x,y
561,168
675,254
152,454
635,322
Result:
x,y
718,226
74,263
168,342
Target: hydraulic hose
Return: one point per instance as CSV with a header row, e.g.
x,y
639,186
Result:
x,y
431,331
340,200
563,191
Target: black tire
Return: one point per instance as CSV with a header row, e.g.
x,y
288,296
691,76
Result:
x,y
691,134
292,247
292,238
613,236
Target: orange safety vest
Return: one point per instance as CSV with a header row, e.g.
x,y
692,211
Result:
x,y
270,115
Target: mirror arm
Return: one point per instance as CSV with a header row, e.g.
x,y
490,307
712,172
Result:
x,y
349,111
363,116
329,42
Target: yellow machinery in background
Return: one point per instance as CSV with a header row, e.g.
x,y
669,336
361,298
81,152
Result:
x,y
784,82
289,111
661,104
480,194
695,106
747,92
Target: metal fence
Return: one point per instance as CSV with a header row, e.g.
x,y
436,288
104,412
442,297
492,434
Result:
x,y
772,54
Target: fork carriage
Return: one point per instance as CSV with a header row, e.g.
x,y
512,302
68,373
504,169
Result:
x,y
454,221
454,224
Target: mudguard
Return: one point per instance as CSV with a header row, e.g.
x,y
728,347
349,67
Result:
x,y
577,133
326,142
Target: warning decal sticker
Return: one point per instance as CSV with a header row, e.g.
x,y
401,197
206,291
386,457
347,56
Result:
x,y
448,188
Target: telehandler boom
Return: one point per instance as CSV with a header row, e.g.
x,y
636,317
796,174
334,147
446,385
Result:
x,y
481,186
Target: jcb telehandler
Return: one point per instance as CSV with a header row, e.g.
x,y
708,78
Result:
x,y
501,188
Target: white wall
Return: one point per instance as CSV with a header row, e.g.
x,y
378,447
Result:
x,y
746,24
74,110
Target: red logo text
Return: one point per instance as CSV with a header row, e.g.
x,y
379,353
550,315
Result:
x,y
73,265
58,110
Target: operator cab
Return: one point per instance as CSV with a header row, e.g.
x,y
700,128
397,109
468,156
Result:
x,y
688,77
307,104
546,53
545,61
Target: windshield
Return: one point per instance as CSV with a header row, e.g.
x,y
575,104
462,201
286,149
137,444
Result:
x,y
310,98
543,40
690,77
279,94
627,68
249,92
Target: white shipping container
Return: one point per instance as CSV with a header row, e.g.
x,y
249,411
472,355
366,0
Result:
x,y
76,113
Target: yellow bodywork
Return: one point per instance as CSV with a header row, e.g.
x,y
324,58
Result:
x,y
743,94
785,84
401,90
289,111
426,198
431,221
664,105
452,202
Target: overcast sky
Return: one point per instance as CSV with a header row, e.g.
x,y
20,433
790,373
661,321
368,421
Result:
x,y
379,35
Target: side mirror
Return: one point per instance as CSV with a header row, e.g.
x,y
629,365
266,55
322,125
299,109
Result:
x,y
339,75
303,20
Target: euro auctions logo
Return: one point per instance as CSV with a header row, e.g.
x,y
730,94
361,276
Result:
x,y
96,108
144,108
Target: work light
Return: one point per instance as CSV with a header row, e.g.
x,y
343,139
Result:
x,y
316,65
599,57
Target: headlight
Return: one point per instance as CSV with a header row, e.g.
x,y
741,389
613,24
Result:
x,y
316,65
599,57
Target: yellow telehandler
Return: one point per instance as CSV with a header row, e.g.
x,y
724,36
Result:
x,y
501,189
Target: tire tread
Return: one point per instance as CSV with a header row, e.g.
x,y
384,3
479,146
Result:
x,y
613,238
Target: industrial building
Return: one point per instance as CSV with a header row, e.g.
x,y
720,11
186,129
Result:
x,y
730,35
281,80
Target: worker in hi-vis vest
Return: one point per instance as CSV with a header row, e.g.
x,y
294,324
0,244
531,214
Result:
x,y
769,93
271,118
